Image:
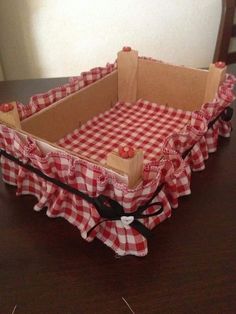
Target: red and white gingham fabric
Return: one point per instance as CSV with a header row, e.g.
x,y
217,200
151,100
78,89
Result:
x,y
95,180
208,143
156,129
43,100
141,125
88,178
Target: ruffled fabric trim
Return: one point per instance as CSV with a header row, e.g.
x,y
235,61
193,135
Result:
x,y
43,100
209,141
88,178
172,170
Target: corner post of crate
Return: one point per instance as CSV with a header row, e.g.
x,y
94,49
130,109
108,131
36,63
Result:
x,y
9,114
216,75
127,163
127,63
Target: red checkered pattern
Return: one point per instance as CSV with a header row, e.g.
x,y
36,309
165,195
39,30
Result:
x,y
43,100
225,128
142,125
208,143
87,178
156,129
95,180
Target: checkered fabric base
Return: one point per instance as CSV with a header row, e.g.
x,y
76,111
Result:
x,y
142,125
88,178
96,180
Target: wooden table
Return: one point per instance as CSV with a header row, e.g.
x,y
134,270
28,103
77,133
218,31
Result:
x,y
46,267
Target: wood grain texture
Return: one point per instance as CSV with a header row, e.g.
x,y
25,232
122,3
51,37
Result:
x,y
176,86
50,123
214,78
127,63
12,117
45,266
133,167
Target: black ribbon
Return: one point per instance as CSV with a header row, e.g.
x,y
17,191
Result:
x,y
111,210
107,208
226,115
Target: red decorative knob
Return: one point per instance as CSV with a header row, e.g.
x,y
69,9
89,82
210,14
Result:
x,y
126,49
6,107
220,64
126,152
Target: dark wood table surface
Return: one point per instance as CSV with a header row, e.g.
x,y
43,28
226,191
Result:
x,y
46,267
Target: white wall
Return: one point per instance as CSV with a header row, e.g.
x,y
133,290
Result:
x,y
50,38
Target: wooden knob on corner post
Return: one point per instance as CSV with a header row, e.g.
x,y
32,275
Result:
x,y
9,114
129,161
127,65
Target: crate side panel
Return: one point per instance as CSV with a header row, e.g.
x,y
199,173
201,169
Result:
x,y
177,86
61,118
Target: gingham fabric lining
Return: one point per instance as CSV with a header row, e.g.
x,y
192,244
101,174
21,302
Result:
x,y
172,170
156,129
208,143
87,178
141,125
43,100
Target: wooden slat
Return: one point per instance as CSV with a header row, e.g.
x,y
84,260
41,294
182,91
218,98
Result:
x,y
133,167
46,147
67,114
214,79
166,84
127,62
11,118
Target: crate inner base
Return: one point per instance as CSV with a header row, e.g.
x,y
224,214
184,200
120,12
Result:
x,y
141,125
